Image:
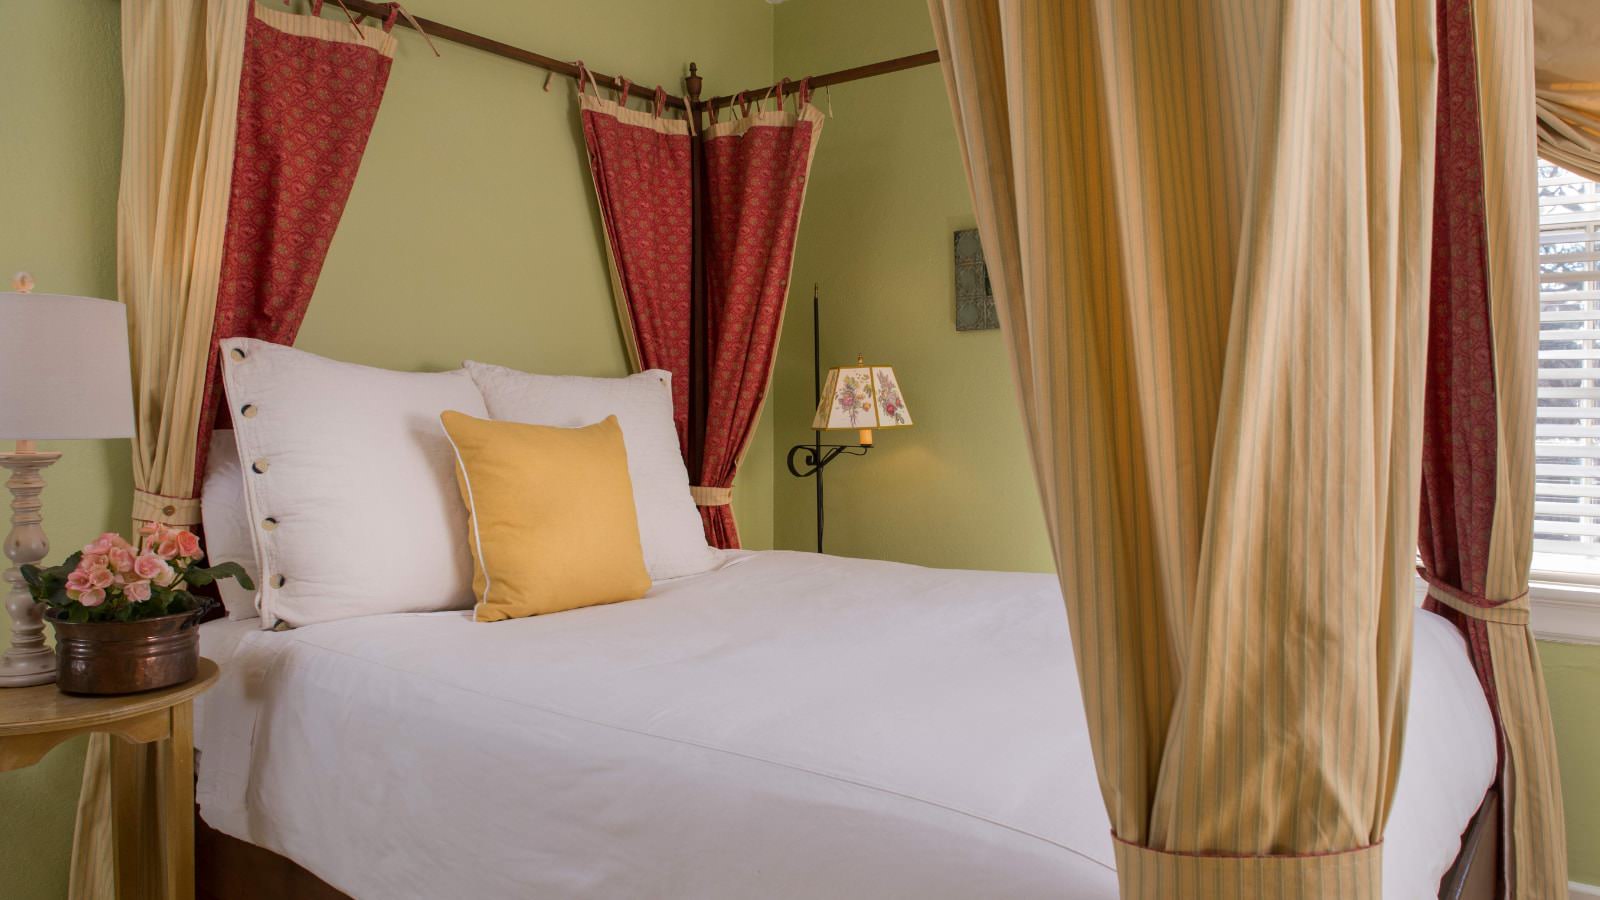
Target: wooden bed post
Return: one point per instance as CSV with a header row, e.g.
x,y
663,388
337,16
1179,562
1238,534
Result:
x,y
699,348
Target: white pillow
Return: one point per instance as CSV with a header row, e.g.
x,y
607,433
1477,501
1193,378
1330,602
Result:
x,y
227,524
670,530
354,511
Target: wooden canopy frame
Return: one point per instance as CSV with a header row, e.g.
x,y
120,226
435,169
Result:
x,y
692,82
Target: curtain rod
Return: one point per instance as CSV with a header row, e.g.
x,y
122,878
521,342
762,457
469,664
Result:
x,y
925,58
490,45
562,67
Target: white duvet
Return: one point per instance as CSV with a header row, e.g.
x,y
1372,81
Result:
x,y
790,725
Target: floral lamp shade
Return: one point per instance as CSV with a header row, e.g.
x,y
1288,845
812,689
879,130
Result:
x,y
861,397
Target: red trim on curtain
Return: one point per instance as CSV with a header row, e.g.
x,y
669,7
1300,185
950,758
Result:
x,y
306,109
755,185
641,181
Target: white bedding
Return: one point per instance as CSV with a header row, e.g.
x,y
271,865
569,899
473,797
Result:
x,y
789,725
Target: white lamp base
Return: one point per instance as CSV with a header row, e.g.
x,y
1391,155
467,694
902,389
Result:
x,y
27,661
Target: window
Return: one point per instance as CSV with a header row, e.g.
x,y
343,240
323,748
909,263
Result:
x,y
1566,539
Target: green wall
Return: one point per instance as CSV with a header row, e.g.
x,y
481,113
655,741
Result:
x,y
60,120
471,232
957,489
885,196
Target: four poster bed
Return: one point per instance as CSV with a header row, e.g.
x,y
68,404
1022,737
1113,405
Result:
x,y
784,725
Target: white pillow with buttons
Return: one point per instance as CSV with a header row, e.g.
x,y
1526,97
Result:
x,y
349,483
227,523
670,530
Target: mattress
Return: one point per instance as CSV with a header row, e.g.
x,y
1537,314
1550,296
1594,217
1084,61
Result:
x,y
788,725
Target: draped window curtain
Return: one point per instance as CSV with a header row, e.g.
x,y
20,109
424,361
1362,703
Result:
x,y
1567,72
734,202
1476,538
1207,230
243,130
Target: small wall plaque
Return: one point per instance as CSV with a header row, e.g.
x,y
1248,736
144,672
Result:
x,y
974,297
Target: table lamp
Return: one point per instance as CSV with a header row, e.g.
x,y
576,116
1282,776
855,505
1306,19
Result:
x,y
64,375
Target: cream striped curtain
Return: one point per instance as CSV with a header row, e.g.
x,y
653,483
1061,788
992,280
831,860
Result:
x,y
1479,451
1207,230
181,61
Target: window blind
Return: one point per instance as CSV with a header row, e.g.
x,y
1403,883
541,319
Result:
x,y
1567,494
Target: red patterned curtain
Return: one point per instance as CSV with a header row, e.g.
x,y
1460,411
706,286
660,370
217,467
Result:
x,y
1476,530
756,169
718,342
640,164
306,108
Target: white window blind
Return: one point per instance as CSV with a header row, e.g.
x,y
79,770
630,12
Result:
x,y
1567,496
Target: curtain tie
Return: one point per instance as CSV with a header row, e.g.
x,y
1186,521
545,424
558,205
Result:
x,y
711,496
1513,611
152,507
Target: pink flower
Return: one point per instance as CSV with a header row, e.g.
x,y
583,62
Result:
x,y
151,567
91,598
106,543
137,591
99,577
78,581
120,559
188,545
167,548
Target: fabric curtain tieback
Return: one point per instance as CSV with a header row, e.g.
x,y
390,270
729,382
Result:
x,y
1503,612
152,507
1146,874
711,496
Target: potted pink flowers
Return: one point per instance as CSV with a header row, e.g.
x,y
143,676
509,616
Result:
x,y
123,614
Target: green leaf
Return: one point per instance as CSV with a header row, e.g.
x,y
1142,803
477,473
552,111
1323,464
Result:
x,y
232,570
78,614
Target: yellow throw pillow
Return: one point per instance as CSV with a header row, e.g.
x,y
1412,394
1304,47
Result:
x,y
553,525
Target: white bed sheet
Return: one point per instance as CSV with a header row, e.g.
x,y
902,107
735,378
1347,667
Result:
x,y
789,725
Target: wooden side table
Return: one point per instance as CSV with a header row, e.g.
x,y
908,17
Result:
x,y
33,720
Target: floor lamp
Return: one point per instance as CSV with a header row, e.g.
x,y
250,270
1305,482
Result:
x,y
64,375
857,398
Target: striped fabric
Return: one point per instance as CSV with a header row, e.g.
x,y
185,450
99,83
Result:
x,y
180,73
181,61
1207,230
1478,500
1567,77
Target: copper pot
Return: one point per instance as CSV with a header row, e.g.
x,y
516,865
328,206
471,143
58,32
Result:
x,y
126,657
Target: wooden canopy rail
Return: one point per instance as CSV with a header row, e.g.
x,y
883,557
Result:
x,y
551,64
925,58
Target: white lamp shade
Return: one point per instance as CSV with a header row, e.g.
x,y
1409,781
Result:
x,y
64,370
861,397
